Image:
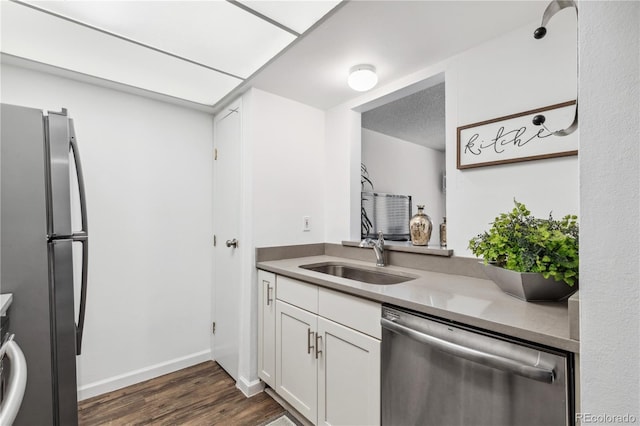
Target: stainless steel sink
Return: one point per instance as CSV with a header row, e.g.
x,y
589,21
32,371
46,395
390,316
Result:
x,y
359,273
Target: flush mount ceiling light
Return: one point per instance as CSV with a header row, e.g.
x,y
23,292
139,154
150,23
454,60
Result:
x,y
362,77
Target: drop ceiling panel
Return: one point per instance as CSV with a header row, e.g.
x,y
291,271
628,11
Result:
x,y
38,36
299,16
215,33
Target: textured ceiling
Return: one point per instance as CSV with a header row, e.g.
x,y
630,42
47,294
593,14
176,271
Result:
x,y
417,118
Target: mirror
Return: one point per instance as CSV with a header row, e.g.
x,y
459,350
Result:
x,y
403,153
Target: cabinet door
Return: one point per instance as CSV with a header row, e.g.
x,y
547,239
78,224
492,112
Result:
x,y
267,327
296,364
348,376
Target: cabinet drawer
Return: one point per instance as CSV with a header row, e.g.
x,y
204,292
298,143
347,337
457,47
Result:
x,y
297,293
360,314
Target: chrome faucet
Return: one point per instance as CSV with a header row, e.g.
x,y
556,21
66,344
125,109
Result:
x,y
378,247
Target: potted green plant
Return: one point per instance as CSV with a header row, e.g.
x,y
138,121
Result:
x,y
530,258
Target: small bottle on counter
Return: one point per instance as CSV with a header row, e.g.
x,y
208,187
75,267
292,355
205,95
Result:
x,y
443,233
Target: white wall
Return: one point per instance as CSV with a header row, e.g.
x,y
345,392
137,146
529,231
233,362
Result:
x,y
510,74
148,167
287,145
283,181
342,174
400,167
610,205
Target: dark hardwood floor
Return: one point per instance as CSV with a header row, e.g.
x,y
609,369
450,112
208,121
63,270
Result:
x,y
200,395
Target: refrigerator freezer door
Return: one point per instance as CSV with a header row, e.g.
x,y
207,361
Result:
x,y
65,183
58,180
64,345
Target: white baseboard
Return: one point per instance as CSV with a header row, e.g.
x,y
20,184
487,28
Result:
x,y
248,388
117,382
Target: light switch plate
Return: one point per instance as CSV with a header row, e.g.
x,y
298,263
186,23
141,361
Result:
x,y
306,223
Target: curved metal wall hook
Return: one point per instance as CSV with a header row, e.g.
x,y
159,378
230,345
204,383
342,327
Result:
x,y
554,7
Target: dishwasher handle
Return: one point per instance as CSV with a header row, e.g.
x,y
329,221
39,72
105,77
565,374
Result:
x,y
488,359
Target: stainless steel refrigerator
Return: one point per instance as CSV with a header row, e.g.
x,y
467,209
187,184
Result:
x,y
44,255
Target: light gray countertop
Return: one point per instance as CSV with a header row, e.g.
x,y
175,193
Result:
x,y
473,301
5,302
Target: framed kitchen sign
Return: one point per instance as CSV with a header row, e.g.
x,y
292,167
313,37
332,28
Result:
x,y
515,138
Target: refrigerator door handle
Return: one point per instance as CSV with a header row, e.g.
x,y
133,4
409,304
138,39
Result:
x,y
83,291
81,236
76,158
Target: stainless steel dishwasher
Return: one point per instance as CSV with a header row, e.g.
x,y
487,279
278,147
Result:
x,y
435,372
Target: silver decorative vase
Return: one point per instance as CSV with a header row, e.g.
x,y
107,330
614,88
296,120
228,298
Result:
x,y
420,227
529,286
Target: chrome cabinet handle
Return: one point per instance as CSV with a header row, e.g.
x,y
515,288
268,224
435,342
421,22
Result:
x,y
492,360
318,339
309,336
269,288
232,243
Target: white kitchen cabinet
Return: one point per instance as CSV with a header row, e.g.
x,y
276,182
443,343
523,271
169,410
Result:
x,y
327,354
296,363
267,325
348,376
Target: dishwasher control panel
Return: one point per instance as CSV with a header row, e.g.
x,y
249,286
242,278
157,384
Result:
x,y
389,314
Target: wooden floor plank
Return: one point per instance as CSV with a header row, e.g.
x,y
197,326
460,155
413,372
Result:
x,y
200,395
